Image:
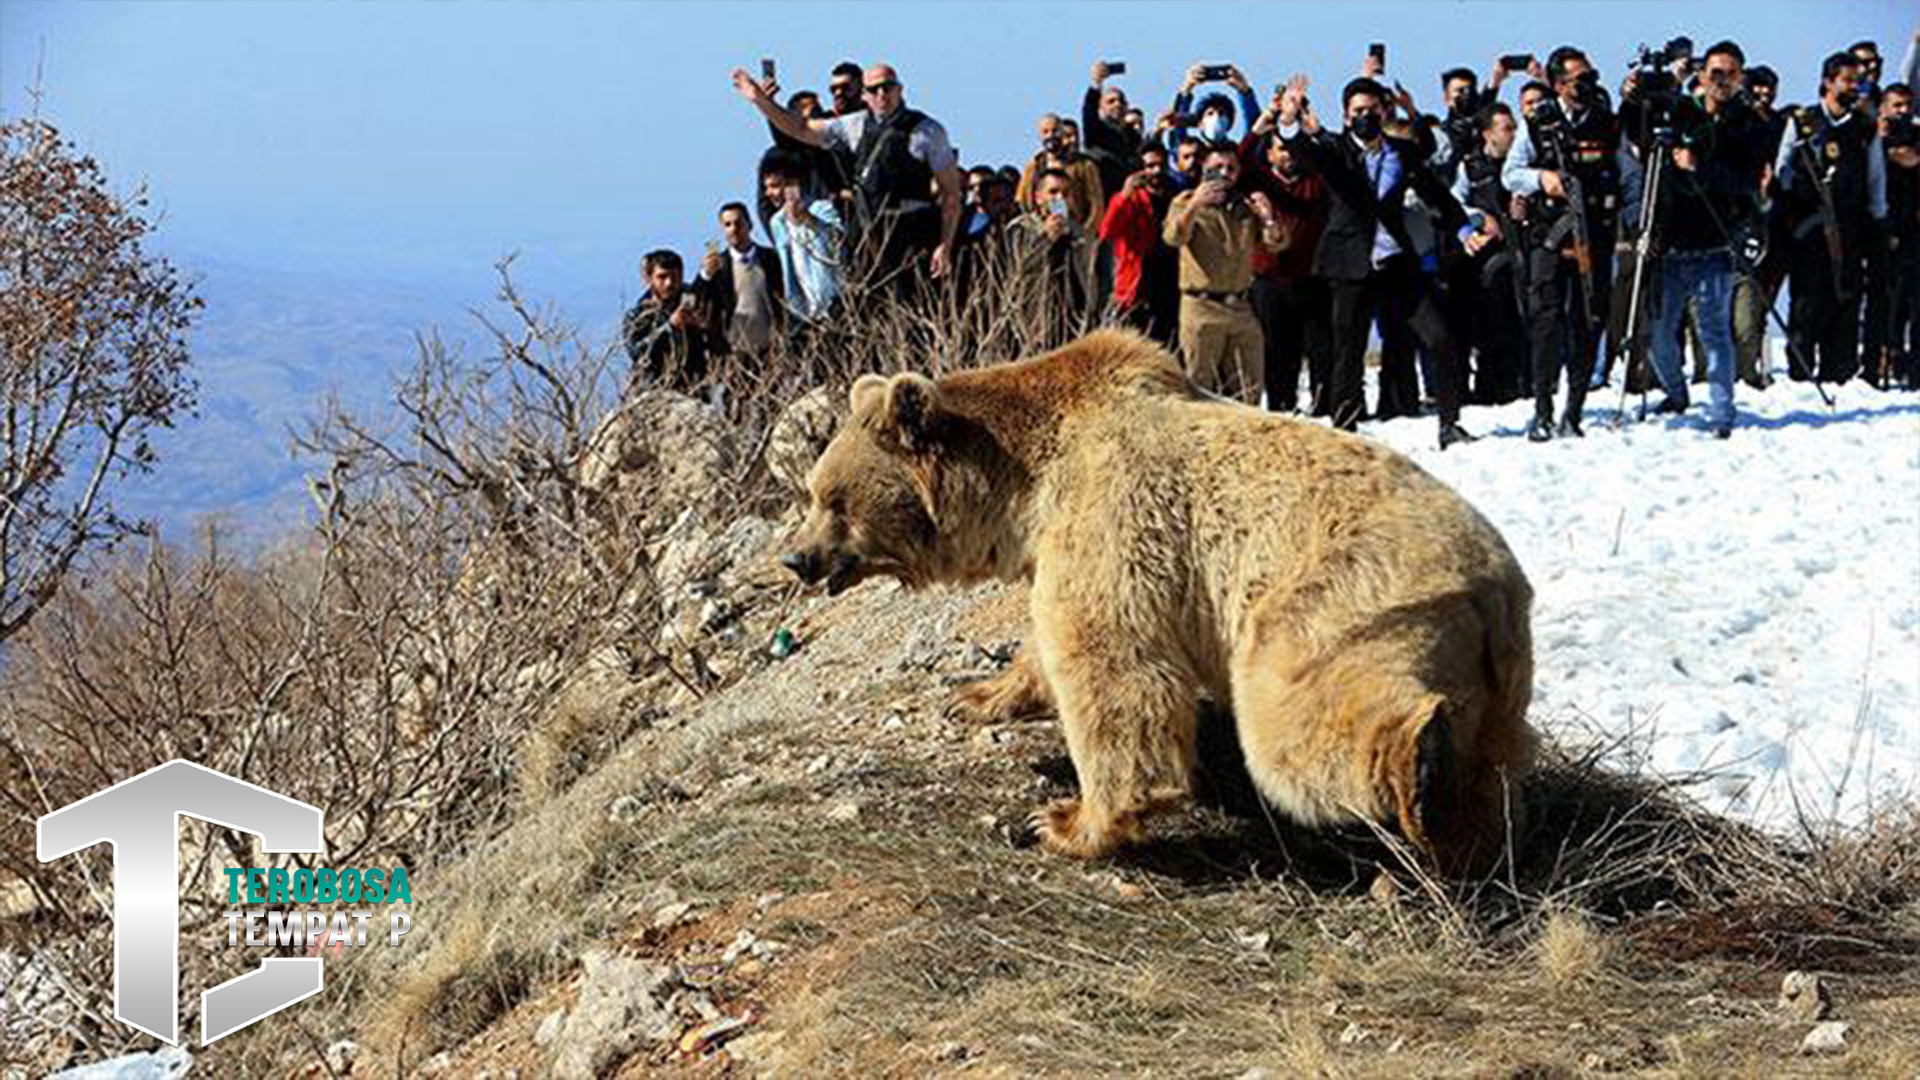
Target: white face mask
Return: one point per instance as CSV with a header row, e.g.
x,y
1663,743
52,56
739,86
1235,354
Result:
x,y
1214,127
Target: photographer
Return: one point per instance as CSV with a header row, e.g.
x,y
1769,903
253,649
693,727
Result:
x,y
1367,255
1110,141
1568,145
1216,112
1058,152
1146,272
1054,252
1288,298
906,192
666,333
1705,206
1831,175
1216,230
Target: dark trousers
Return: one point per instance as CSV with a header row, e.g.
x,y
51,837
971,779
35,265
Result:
x,y
1903,318
1560,335
1293,318
1824,318
1403,298
1486,316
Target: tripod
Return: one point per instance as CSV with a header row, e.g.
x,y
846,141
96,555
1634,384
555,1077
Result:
x,y
1660,148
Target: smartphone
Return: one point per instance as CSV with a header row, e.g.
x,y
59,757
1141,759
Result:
x,y
1378,50
1516,61
1116,67
1057,206
1214,175
766,69
1215,72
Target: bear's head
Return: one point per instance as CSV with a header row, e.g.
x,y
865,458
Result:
x,y
884,487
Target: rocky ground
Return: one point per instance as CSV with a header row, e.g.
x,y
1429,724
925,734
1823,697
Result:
x,y
815,872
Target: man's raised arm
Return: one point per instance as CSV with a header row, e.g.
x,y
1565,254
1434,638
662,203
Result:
x,y
784,120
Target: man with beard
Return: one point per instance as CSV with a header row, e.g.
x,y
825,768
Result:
x,y
1489,284
1146,294
1113,145
1058,150
1832,177
1569,145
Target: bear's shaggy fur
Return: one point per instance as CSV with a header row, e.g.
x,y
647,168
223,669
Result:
x,y
1365,625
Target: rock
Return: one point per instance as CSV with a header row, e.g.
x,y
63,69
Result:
x,y
699,1039
166,1063
952,1051
1259,1073
623,1002
1828,1037
844,812
754,1047
802,430
437,1065
1593,1062
1384,890
1803,997
660,454
1398,1044
672,915
549,1029
1256,942
743,945
626,809
340,1056
1353,1034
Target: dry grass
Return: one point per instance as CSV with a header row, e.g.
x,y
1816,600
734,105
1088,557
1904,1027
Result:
x,y
1571,951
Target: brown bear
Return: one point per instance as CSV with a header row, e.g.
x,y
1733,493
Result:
x,y
1367,628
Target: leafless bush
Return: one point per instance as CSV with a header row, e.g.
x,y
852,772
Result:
x,y
389,661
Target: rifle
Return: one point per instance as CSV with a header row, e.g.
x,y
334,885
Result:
x,y
1829,216
1573,225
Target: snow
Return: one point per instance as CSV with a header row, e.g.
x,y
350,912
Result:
x,y
1747,609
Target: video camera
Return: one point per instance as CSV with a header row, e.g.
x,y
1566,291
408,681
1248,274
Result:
x,y
1656,87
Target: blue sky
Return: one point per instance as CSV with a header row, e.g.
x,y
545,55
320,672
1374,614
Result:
x,y
418,141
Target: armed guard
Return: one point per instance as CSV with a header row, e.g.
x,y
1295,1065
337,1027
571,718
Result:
x,y
1832,191
1490,286
1565,160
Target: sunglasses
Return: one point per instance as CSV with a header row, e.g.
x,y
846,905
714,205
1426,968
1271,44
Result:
x,y
881,87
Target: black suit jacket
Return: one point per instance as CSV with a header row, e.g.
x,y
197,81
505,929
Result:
x,y
717,293
1354,211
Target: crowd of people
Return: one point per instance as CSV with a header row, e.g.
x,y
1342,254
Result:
x,y
1500,251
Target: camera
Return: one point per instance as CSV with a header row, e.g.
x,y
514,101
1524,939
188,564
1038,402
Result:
x,y
1656,87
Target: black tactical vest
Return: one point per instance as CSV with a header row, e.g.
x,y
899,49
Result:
x,y
1839,153
1590,150
1485,191
888,177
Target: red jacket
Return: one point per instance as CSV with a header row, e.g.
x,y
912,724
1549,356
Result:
x,y
1131,228
1300,204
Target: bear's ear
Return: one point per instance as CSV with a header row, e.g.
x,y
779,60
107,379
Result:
x,y
868,394
912,412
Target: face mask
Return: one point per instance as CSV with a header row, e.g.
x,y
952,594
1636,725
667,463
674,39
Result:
x,y
1054,144
1214,127
1847,98
1366,126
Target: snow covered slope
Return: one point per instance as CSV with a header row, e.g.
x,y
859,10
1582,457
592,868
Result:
x,y
1750,608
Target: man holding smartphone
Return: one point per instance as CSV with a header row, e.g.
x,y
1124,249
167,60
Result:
x,y
1217,229
1055,251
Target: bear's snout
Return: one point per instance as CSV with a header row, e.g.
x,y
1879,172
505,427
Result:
x,y
805,565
